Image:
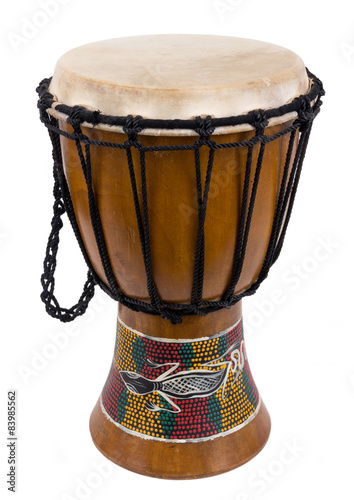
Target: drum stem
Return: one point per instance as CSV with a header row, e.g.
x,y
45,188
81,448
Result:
x,y
176,385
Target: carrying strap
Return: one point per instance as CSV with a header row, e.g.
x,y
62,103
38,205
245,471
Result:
x,y
60,206
52,305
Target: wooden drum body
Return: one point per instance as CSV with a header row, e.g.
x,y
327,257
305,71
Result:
x,y
189,218
173,211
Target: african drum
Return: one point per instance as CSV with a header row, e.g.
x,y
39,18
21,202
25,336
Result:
x,y
176,159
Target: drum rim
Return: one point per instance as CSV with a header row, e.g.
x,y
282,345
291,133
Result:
x,y
93,118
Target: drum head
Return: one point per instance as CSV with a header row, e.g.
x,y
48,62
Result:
x,y
179,76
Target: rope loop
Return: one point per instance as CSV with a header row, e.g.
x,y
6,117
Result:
x,y
316,107
305,114
204,127
132,127
315,80
175,318
74,117
52,305
96,117
260,121
211,144
42,103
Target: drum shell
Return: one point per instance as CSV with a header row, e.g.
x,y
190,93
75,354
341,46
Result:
x,y
173,210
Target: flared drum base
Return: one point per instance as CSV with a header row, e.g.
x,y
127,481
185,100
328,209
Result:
x,y
180,401
179,460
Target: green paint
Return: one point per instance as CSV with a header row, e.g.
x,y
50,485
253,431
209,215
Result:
x,y
122,405
186,353
138,354
249,389
222,345
214,412
166,418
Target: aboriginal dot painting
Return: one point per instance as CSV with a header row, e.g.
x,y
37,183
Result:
x,y
180,390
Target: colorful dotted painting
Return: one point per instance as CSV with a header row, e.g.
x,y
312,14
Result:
x,y
180,390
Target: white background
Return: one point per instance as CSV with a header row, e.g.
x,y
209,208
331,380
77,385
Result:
x,y
300,351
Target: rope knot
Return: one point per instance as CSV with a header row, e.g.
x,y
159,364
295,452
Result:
x,y
204,127
318,82
260,121
95,117
170,316
45,99
74,117
132,127
321,93
42,106
43,86
305,113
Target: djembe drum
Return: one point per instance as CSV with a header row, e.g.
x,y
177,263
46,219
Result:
x,y
176,159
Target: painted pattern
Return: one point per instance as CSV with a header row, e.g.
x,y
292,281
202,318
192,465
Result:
x,y
185,390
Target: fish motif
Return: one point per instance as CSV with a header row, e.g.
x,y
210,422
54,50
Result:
x,y
187,384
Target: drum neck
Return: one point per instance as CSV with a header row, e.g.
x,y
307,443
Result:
x,y
192,327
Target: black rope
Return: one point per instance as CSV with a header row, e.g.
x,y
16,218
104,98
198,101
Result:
x,y
280,208
85,161
96,118
236,269
198,277
307,108
305,137
52,305
245,222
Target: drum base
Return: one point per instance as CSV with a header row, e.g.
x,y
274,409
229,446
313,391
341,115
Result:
x,y
185,447
179,460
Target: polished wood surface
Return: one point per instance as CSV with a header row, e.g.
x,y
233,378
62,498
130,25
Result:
x,y
190,328
173,215
179,460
